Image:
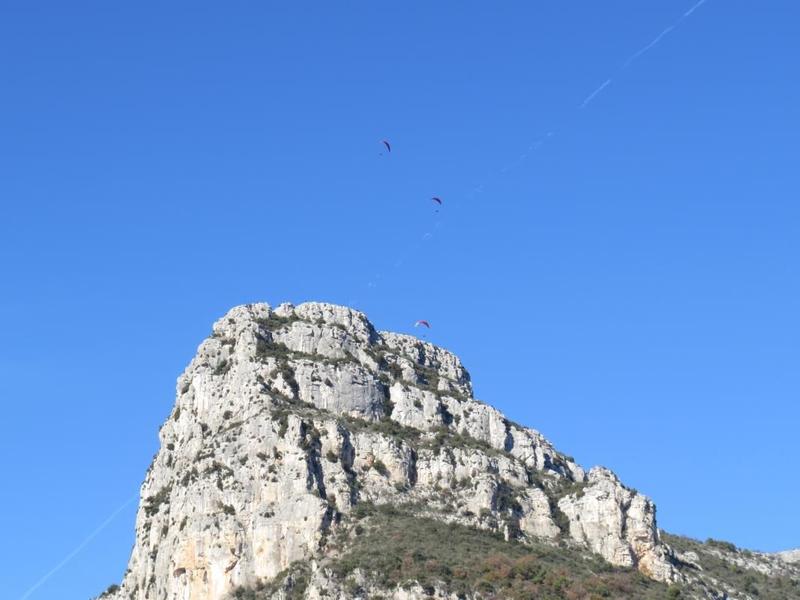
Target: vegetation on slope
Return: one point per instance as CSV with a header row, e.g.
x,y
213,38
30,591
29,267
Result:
x,y
397,548
725,563
394,547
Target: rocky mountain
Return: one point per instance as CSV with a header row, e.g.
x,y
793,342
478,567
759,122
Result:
x,y
309,455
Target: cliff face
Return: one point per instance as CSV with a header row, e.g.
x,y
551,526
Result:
x,y
287,420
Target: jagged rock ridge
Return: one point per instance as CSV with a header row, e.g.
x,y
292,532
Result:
x,y
287,419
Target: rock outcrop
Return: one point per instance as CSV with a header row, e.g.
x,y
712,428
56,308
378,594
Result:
x,y
287,419
789,556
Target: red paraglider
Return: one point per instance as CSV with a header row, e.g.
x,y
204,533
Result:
x,y
422,323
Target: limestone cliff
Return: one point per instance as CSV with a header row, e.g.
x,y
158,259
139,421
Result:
x,y
289,419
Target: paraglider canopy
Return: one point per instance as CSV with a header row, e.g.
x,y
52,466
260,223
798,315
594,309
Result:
x,y
437,200
422,323
388,146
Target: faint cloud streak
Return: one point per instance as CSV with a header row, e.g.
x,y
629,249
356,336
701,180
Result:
x,y
592,96
661,35
80,547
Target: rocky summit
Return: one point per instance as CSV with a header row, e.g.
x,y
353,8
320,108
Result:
x,y
309,455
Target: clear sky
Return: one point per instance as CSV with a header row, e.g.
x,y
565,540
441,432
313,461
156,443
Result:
x,y
628,285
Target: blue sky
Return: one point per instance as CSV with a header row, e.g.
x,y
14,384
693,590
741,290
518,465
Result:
x,y
627,285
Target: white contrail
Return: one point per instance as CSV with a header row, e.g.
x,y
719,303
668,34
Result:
x,y
694,8
661,35
80,547
657,39
591,96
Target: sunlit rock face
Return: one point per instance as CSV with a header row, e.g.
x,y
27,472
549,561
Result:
x,y
287,418
789,556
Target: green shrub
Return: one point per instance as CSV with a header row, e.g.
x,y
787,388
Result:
x,y
153,503
560,519
674,592
222,367
380,467
565,487
112,589
274,322
727,546
506,499
283,424
269,349
384,426
190,476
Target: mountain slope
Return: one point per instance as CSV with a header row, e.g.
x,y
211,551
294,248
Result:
x,y
301,437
